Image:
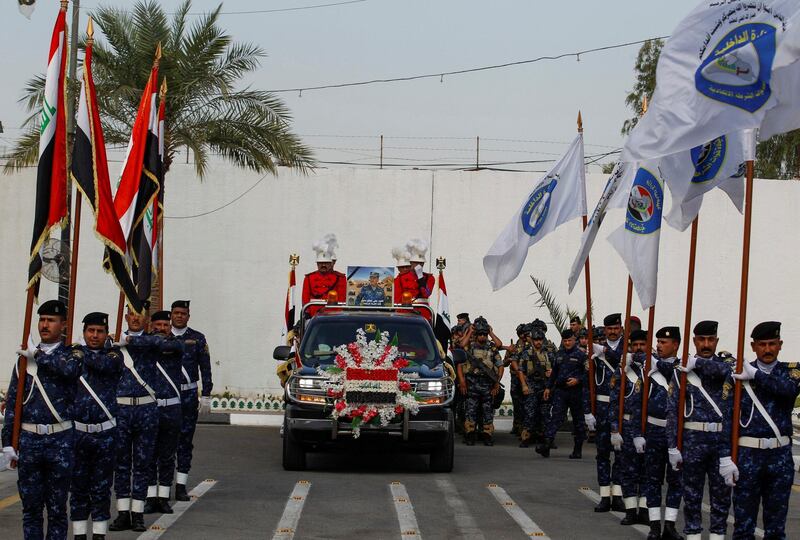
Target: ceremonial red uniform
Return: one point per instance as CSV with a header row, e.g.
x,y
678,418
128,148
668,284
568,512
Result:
x,y
420,289
317,285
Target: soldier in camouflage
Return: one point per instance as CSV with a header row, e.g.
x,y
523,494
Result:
x,y
536,366
511,361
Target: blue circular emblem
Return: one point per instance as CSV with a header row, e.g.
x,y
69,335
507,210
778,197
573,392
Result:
x,y
739,68
708,159
535,211
645,204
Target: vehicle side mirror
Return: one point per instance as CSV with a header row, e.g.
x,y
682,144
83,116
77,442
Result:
x,y
282,353
459,356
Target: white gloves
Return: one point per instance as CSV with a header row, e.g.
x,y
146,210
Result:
x,y
748,372
591,421
675,458
639,443
27,353
729,471
418,271
691,362
205,405
9,454
616,441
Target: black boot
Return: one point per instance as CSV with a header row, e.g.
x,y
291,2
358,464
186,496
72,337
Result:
x,y
644,517
79,537
617,504
150,505
137,522
544,448
469,438
576,450
97,536
180,493
488,440
669,532
655,531
630,517
604,505
162,506
122,523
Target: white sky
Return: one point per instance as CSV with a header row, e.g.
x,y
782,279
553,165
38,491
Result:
x,y
392,38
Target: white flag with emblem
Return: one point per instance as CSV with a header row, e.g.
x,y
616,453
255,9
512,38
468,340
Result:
x,y
715,75
559,197
637,240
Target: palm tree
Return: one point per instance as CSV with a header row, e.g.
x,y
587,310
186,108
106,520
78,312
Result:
x,y
559,315
206,112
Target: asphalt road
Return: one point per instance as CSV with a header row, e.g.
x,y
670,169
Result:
x,y
493,493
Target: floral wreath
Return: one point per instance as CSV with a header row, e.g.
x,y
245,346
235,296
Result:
x,y
367,383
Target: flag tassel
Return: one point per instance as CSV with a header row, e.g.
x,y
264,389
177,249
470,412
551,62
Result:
x,y
687,328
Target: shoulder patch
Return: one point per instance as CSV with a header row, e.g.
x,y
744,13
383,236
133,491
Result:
x,y
205,349
726,390
792,365
794,373
77,352
613,381
671,389
638,386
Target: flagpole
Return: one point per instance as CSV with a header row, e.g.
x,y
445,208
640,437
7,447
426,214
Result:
x,y
22,369
737,392
651,321
687,329
589,327
623,363
120,307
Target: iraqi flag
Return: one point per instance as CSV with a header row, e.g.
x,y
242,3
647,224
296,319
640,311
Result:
x,y
290,307
51,175
441,327
89,171
558,198
158,203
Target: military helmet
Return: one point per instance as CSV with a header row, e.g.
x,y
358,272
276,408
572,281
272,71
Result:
x,y
481,325
540,324
598,333
523,329
536,333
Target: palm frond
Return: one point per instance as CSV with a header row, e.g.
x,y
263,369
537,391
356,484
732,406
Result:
x,y
548,300
25,152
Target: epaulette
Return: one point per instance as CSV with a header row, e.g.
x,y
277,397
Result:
x,y
792,365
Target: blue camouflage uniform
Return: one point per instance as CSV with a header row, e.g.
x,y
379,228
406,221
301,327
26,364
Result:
x,y
196,365
568,364
656,464
766,469
515,390
95,439
630,463
534,366
479,387
705,437
168,393
137,422
371,296
46,440
607,474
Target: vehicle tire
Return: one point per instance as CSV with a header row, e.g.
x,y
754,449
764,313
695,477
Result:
x,y
294,455
442,457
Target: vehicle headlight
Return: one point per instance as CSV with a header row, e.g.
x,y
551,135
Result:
x,y
307,383
430,386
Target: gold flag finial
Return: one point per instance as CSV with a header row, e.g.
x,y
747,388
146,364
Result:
x,y
580,122
644,105
294,259
90,29
441,263
163,91
64,5
158,53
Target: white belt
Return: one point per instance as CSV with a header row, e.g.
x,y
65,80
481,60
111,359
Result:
x,y
96,428
764,443
47,429
168,402
190,386
626,416
657,421
144,400
603,398
712,427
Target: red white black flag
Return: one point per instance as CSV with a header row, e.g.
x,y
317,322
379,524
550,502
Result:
x,y
441,327
290,306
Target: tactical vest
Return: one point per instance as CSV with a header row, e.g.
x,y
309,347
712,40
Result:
x,y
534,365
486,357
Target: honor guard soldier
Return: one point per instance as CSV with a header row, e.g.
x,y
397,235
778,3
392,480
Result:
x,y
196,365
425,281
137,419
568,386
765,467
95,430
45,453
606,358
479,379
708,397
406,285
656,462
626,439
168,399
536,366
325,283
511,361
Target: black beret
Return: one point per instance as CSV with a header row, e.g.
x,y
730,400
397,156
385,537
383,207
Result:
x,y
53,307
706,328
767,330
638,335
575,320
160,316
669,332
613,320
181,304
97,318
566,334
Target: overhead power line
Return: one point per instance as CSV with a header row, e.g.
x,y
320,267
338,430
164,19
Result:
x,y
258,11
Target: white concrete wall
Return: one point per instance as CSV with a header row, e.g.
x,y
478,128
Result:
x,y
233,263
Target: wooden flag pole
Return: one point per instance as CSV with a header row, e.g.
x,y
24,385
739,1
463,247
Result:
x,y
651,332
22,369
624,360
589,327
687,331
120,308
737,392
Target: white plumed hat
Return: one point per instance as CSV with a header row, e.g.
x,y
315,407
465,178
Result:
x,y
401,256
324,248
417,247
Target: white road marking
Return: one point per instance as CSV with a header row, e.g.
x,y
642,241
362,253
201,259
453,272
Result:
x,y
405,512
594,496
287,526
179,508
759,532
528,526
467,527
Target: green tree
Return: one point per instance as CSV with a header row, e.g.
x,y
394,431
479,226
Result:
x,y
559,315
208,110
645,84
608,168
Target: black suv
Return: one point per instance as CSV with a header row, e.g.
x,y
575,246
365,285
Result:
x,y
308,425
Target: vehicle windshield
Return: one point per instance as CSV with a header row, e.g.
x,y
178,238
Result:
x,y
413,341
